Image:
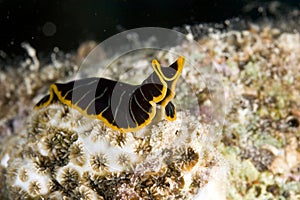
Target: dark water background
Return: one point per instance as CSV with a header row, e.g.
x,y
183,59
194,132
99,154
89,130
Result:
x,y
46,24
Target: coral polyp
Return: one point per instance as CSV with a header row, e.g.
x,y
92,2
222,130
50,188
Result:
x,y
74,159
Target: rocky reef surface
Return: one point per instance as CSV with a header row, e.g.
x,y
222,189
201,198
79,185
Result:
x,y
57,153
261,134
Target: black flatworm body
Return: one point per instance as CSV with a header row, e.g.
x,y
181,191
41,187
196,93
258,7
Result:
x,y
121,106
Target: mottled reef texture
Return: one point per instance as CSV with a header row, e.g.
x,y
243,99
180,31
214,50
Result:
x,y
60,153
261,134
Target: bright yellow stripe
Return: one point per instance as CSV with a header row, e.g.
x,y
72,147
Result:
x,y
157,69
180,63
170,118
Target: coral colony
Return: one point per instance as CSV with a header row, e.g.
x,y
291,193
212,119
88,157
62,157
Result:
x,y
66,154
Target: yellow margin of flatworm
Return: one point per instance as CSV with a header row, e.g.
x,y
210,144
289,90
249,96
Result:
x,y
157,69
180,63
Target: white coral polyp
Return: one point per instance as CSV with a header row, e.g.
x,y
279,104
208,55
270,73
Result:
x,y
172,152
